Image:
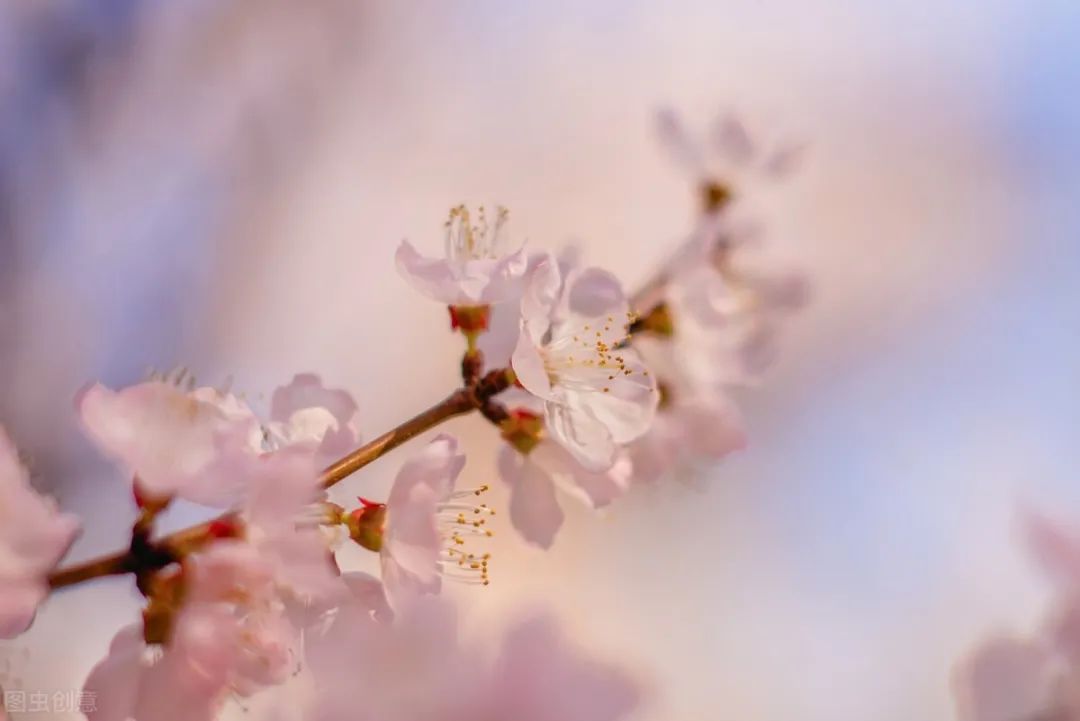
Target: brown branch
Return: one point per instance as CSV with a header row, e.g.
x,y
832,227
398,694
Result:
x,y
178,544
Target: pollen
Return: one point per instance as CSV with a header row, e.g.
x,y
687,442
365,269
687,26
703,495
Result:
x,y
481,240
459,523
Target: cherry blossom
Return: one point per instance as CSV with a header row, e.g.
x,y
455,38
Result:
x,y
423,533
231,637
571,353
418,668
243,606
34,536
536,475
1034,677
201,444
477,270
726,159
176,443
305,412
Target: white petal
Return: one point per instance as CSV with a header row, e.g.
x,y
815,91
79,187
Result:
x,y
572,423
528,365
434,278
534,510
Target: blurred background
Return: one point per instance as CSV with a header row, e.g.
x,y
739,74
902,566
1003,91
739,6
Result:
x,y
221,184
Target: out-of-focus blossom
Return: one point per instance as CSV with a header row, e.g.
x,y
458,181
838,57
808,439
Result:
x,y
306,412
202,444
231,637
422,531
725,160
234,625
279,524
725,316
534,477
477,269
1034,678
1006,679
34,536
572,354
175,443
418,669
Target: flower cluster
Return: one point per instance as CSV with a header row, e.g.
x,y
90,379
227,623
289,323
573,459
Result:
x,y
602,390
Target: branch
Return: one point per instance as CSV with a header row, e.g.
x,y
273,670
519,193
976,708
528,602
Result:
x,y
178,544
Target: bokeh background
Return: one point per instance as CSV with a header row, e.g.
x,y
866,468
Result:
x,y
221,184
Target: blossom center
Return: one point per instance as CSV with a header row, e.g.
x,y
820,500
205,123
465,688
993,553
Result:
x,y
468,241
588,356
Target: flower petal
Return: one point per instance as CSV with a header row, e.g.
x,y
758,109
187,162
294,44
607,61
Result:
x,y
434,278
572,423
595,490
540,298
534,510
528,366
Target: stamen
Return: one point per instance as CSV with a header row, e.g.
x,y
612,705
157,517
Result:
x,y
459,521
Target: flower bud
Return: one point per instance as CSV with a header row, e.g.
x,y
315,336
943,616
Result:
x,y
523,430
366,524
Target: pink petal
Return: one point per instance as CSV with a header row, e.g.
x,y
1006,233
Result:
x,y
539,678
1005,679
305,392
675,139
33,539
534,510
411,543
595,293
595,490
733,140
1055,548
432,277
529,368
114,682
504,279
175,444
540,298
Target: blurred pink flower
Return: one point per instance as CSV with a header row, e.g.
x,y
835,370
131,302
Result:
x,y
727,155
428,524
306,412
33,539
571,354
232,636
417,668
476,270
1006,679
726,317
534,477
279,525
202,445
175,443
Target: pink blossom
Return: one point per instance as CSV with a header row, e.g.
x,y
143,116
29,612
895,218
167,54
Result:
x,y
728,155
429,524
279,525
418,668
476,269
534,478
305,412
725,316
231,637
570,353
695,421
33,539
1006,679
176,443
245,605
